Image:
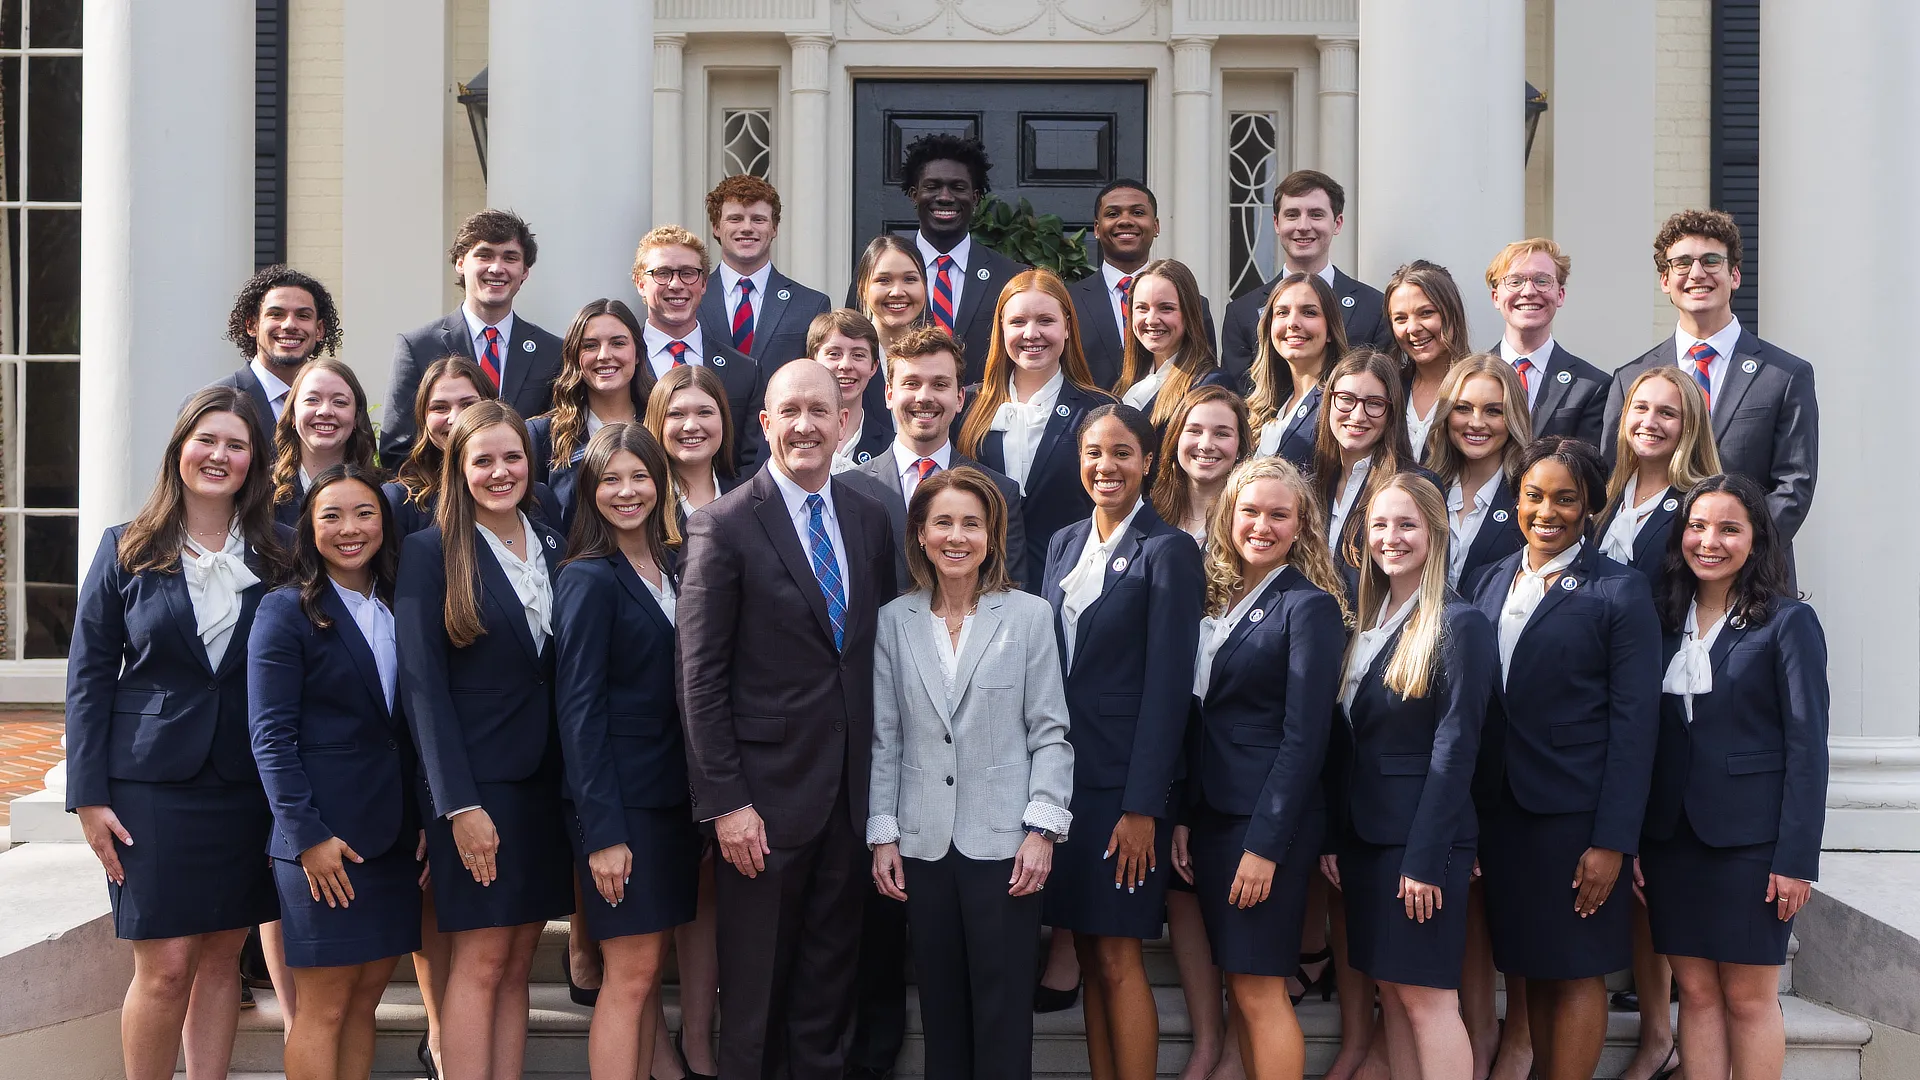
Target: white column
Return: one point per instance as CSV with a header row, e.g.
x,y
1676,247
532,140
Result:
x,y
569,142
1196,215
1442,139
670,130
803,248
393,251
1822,120
1340,131
1603,199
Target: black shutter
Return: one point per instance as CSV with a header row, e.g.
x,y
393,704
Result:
x,y
1736,139
269,132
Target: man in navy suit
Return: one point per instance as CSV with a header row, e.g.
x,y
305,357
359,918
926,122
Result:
x,y
1766,419
1126,221
671,269
1308,209
279,321
946,177
1565,394
754,307
492,253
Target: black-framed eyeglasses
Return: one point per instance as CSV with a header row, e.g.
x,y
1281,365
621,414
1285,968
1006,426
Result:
x,y
664,275
1374,407
1711,262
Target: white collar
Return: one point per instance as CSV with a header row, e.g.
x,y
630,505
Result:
x,y
928,253
904,457
1554,565
1044,397
794,495
275,387
1325,274
1113,538
730,278
1482,498
1723,342
657,341
1538,357
1112,274
475,324
354,601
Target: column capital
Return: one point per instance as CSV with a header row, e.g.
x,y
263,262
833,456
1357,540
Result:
x,y
1339,64
1193,64
669,54
811,62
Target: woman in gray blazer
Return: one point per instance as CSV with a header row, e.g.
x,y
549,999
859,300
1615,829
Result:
x,y
971,775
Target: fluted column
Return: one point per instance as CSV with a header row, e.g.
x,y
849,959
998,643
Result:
x,y
1197,213
1340,130
803,244
669,129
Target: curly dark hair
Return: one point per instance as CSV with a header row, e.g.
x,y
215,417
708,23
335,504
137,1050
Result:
x,y
940,147
245,316
1705,224
1761,581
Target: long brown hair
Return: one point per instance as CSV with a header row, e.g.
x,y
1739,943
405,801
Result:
x,y
1270,391
1195,357
569,413
995,384
1443,457
153,539
1433,280
1391,453
420,473
993,568
863,274
310,568
593,537
1170,487
697,377
456,519
1410,670
1226,572
1696,455
286,435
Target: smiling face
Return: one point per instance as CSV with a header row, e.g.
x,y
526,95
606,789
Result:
x,y
1155,317
288,327
896,291
1717,538
1654,418
672,306
1552,509
346,525
214,459
944,198
803,421
1035,331
1397,534
1478,423
1306,226
851,362
1354,428
924,397
1417,324
608,355
746,234
449,398
693,429
1209,442
323,412
1706,295
1299,326
493,273
1266,518
1112,465
626,493
1531,306
495,466
1126,226
955,534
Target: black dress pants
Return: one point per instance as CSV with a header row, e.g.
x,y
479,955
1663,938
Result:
x,y
974,951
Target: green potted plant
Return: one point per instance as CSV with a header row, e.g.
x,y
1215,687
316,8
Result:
x,y
1014,230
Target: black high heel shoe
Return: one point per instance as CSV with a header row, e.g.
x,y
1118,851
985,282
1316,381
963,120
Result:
x,y
425,1054
580,994
1325,983
680,1050
1048,1000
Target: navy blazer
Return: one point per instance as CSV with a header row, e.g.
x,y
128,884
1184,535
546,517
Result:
x,y
979,297
335,760
1362,313
780,318
1101,338
1404,773
263,418
482,714
877,478
1261,740
1650,543
1499,534
1053,497
1573,729
1766,421
410,517
1752,767
876,432
532,358
1214,376
143,703
619,720
746,385
1299,430
1572,401
1130,684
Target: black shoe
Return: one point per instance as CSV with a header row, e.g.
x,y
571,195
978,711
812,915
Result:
x,y
425,1054
1324,984
581,995
868,1072
680,1050
1624,1001
1048,1000
246,996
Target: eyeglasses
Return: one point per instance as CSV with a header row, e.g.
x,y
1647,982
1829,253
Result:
x,y
664,275
1711,262
1514,282
1374,407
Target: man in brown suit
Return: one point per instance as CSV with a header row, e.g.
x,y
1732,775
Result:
x,y
780,588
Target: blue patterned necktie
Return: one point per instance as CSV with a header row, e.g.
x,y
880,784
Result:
x,y
826,569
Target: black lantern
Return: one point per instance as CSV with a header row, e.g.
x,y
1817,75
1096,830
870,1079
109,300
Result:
x,y
473,95
1536,105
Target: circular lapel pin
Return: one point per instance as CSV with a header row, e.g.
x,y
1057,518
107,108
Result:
x,y
1564,378
719,361
1346,301
1499,515
1568,583
1119,564
1749,366
864,457
1061,410
784,294
1670,505
552,543
1256,614
1301,412
982,274
527,346
1738,622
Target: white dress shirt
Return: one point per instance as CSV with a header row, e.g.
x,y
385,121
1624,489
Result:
x,y
1214,632
730,281
1084,583
957,276
657,341
796,499
843,460
663,594
375,622
1367,646
215,580
1538,358
1142,394
946,648
1690,672
1418,427
1343,503
277,390
1024,423
1529,588
904,460
527,573
1627,521
476,329
1723,343
1463,531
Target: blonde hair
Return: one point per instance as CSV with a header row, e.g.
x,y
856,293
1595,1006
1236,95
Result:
x,y
1226,572
669,236
1520,249
1410,670
1442,456
1695,454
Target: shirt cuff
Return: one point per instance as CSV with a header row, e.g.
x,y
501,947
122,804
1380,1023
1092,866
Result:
x,y
883,829
1045,815
717,817
451,814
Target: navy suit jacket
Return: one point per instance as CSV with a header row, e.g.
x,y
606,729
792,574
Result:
x,y
876,432
1573,729
410,517
335,760
1100,336
1299,430
1214,376
528,386
780,319
1752,767
973,323
1499,534
1404,767
1362,314
1054,497
1766,422
482,714
1572,401
877,478
143,703
1650,543
1261,740
619,719
1130,684
245,379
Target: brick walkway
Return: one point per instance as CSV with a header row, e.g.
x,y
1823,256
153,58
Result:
x,y
29,746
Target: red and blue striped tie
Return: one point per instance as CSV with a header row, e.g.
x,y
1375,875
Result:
x,y
943,293
743,318
490,356
1702,355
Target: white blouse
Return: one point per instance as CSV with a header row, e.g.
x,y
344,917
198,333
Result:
x,y
1343,503
1214,632
1627,521
215,580
947,649
1088,577
1141,394
528,576
663,594
1463,531
1367,646
1690,672
1023,424
1417,428
1529,588
375,622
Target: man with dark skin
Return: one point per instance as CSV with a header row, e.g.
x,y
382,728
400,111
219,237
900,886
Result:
x,y
1126,222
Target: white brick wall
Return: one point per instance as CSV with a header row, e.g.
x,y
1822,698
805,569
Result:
x,y
1683,117
315,59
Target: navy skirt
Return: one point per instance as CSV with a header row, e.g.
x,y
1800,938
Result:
x,y
1711,902
1080,893
1381,941
664,887
198,864
534,877
382,920
1265,938
1528,861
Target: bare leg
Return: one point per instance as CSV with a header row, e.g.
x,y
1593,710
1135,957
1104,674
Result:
x,y
1653,981
1063,962
476,973
430,969
274,947
1569,1026
624,1018
1517,1053
1477,986
1356,998
357,1036
1128,1023
156,1006
213,1005
1199,982
1232,1057
1704,1020
699,983
1439,1034
1756,1032
1269,1032
1403,1053
313,1038
511,1002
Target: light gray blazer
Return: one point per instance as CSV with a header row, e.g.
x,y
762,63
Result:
x,y
972,772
